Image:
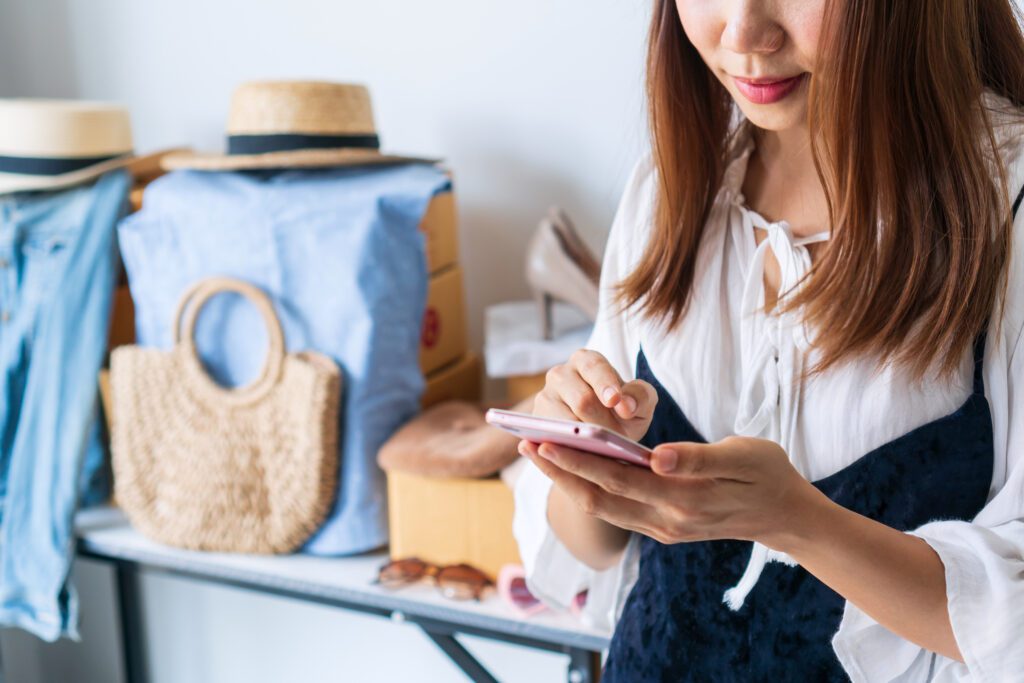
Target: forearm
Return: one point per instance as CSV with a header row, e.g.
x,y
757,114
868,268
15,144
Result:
x,y
592,541
895,578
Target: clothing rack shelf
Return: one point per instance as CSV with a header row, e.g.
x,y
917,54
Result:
x,y
104,535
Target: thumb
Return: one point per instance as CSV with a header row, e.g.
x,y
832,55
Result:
x,y
701,460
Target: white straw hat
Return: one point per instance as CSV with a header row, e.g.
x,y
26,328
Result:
x,y
295,124
51,144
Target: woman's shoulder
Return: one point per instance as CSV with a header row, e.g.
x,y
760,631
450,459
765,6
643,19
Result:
x,y
640,187
633,219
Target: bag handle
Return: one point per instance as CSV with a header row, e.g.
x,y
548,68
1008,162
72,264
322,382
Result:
x,y
186,315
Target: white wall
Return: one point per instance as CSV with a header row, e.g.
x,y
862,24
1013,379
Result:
x,y
532,102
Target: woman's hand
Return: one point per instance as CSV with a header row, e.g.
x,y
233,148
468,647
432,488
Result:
x,y
746,489
587,388
739,488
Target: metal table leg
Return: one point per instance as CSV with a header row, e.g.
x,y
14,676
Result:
x,y
461,656
584,666
132,636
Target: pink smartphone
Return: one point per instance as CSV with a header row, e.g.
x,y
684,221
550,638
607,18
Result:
x,y
579,435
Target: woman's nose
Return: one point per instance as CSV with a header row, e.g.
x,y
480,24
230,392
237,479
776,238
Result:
x,y
751,28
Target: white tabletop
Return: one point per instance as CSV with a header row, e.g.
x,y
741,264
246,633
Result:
x,y
105,532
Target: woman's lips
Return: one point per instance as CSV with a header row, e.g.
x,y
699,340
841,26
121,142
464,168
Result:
x,y
767,91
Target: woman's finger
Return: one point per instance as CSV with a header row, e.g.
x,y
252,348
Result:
x,y
628,400
639,400
548,403
687,509
632,482
727,459
612,476
577,488
593,500
604,381
586,404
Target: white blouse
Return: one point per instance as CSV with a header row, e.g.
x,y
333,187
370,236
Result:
x,y
753,360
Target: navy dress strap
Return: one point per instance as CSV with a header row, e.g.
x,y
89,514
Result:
x,y
1017,201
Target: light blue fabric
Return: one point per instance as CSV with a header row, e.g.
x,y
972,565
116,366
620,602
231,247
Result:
x,y
57,271
341,255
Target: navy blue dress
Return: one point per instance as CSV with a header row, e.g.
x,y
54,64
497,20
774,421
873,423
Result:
x,y
675,627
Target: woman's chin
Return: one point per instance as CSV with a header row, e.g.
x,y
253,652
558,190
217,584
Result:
x,y
778,116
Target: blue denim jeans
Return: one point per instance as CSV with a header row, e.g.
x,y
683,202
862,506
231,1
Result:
x,y
57,268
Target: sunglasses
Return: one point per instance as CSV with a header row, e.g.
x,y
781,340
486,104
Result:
x,y
455,581
513,589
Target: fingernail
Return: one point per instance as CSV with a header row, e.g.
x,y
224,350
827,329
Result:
x,y
666,459
630,404
522,448
545,451
608,394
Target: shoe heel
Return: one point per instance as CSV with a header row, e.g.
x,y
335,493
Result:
x,y
545,303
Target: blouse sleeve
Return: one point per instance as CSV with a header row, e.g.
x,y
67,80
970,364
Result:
x,y
983,558
553,574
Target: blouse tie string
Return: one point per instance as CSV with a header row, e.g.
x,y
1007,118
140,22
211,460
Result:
x,y
772,350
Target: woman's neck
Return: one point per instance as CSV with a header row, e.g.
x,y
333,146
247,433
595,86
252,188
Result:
x,y
781,182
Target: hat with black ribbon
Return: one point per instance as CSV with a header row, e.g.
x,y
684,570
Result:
x,y
295,124
51,144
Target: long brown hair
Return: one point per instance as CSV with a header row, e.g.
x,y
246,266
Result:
x,y
917,196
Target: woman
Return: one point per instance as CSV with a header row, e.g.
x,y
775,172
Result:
x,y
838,479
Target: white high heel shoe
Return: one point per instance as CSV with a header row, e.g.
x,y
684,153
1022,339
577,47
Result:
x,y
553,273
574,245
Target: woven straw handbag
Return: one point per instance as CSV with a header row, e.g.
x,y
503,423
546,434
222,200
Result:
x,y
197,465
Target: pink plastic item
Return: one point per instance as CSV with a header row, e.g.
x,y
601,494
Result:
x,y
582,436
514,591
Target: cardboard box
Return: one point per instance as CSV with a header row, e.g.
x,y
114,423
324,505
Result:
x,y
459,380
122,318
523,386
447,521
440,226
443,335
104,380
135,198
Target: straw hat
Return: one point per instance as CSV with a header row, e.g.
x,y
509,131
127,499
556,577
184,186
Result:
x,y
51,144
295,124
